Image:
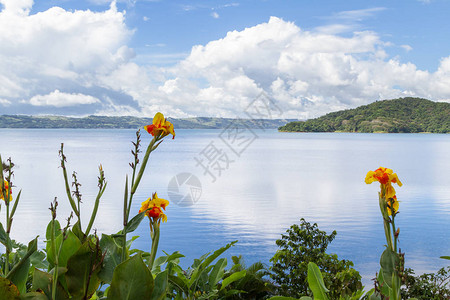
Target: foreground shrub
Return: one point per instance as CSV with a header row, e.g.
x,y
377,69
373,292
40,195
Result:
x,y
432,286
305,243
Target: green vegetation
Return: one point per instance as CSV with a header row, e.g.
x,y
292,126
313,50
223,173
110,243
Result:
x,y
76,263
404,115
20,121
305,243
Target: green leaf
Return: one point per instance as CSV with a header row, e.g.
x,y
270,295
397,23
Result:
x,y
48,232
208,260
4,239
161,284
78,231
8,290
389,261
131,280
287,298
112,258
445,257
42,281
232,278
33,296
19,273
69,247
315,282
180,284
82,270
217,272
134,222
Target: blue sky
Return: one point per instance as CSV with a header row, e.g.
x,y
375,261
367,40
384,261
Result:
x,y
212,58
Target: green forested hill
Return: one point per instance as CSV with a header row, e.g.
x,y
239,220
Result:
x,y
398,115
21,121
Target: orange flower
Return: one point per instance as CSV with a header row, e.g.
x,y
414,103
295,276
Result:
x,y
6,189
160,126
153,207
385,177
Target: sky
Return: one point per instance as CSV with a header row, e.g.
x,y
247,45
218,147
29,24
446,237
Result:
x,y
214,58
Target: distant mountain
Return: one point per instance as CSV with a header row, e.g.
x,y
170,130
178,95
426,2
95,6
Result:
x,y
20,121
407,115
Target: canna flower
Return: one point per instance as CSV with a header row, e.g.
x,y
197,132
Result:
x,y
6,189
154,207
160,126
385,177
394,202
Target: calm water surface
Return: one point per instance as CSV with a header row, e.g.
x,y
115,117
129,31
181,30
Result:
x,y
273,182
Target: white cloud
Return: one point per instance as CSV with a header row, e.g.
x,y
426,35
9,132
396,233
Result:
x,y
406,47
308,73
59,99
357,14
58,50
215,15
20,7
5,102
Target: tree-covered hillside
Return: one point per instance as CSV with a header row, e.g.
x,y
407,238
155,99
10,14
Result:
x,y
398,115
21,121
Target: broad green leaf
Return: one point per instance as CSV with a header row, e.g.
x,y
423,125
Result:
x,y
208,260
165,259
161,284
8,291
82,270
315,281
4,239
48,232
232,278
287,298
38,260
69,247
384,287
374,297
42,281
389,261
19,273
76,229
179,284
112,258
134,222
217,272
131,280
33,296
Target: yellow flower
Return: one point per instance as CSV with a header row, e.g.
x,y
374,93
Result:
x,y
153,207
160,126
6,189
385,177
395,205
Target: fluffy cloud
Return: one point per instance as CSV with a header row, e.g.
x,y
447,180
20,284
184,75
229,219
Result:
x,y
80,60
59,99
308,73
58,50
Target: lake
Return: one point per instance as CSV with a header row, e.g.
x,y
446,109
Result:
x,y
249,188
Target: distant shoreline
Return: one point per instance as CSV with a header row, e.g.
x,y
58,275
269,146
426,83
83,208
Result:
x,y
104,122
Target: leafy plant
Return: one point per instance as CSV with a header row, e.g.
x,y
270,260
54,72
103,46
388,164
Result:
x,y
430,286
301,245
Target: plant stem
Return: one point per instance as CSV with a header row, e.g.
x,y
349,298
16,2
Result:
x,y
155,242
55,269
